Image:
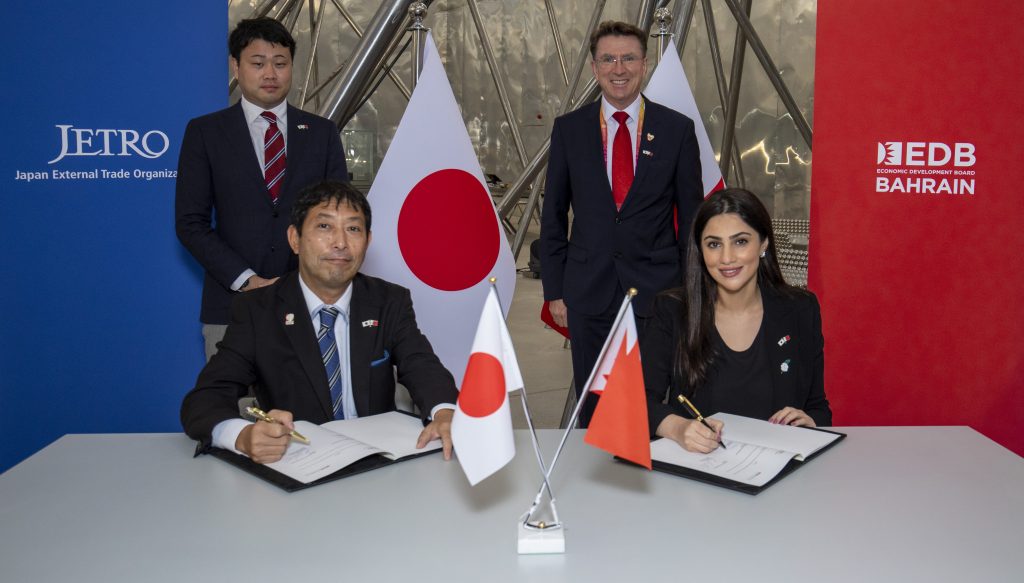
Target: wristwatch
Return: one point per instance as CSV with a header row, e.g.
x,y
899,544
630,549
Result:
x,y
245,284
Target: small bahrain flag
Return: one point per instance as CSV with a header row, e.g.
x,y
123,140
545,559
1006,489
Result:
x,y
482,425
619,425
435,230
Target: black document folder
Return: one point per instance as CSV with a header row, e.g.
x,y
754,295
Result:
x,y
759,438
392,434
289,484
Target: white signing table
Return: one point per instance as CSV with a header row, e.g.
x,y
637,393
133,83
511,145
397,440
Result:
x,y
886,504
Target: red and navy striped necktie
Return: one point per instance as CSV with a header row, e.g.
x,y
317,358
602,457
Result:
x,y
273,156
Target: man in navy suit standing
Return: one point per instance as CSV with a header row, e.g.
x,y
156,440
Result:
x,y
240,170
627,167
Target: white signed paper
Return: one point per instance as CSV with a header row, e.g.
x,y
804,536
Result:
x,y
337,444
756,450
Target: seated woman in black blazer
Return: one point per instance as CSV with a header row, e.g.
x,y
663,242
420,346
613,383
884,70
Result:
x,y
736,338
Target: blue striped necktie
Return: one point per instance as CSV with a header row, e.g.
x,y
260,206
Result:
x,y
332,362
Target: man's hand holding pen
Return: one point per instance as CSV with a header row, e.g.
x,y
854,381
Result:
x,y
266,441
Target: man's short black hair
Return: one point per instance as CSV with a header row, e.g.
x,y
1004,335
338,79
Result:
x,y
616,28
264,28
330,191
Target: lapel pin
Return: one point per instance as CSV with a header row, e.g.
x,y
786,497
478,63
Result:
x,y
784,367
650,137
289,319
302,126
647,153
370,323
783,340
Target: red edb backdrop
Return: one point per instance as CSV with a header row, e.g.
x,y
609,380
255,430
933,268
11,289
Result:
x,y
917,213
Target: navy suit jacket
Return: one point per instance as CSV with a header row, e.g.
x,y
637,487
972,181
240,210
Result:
x,y
223,213
283,364
635,246
800,383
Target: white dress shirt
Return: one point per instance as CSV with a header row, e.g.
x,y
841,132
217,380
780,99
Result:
x,y
258,126
607,110
257,131
225,433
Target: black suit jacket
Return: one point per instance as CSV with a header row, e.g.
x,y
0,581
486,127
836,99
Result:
x,y
632,247
282,361
223,213
800,385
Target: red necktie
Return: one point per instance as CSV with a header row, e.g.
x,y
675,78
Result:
x,y
273,156
622,160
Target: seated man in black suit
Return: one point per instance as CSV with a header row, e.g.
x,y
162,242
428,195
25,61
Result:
x,y
320,343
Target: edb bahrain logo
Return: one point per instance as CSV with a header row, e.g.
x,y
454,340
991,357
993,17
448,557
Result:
x,y
925,168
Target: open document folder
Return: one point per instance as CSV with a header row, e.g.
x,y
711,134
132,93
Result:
x,y
759,453
338,449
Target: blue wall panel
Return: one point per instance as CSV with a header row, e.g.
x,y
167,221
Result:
x,y
100,327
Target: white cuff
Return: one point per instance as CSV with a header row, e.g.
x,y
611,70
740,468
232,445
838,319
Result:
x,y
440,407
225,433
241,279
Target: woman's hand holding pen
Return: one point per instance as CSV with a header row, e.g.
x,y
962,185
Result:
x,y
691,434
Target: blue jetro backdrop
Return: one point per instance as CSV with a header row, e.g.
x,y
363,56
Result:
x,y
100,325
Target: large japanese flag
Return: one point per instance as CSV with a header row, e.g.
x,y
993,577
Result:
x,y
669,87
435,230
482,425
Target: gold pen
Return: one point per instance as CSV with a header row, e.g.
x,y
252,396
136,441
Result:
x,y
259,414
700,417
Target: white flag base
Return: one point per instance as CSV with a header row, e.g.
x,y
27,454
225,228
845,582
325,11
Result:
x,y
539,541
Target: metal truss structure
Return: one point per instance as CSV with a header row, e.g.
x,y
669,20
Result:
x,y
338,78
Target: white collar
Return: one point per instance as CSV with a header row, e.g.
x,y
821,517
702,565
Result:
x,y
633,109
314,303
252,111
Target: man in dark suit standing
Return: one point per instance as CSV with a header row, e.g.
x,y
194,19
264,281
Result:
x,y
625,166
240,169
320,344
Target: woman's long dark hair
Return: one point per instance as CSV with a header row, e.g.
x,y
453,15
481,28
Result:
x,y
695,352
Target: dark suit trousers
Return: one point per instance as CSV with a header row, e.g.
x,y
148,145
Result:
x,y
589,333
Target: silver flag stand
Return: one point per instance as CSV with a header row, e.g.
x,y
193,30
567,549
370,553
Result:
x,y
545,536
540,536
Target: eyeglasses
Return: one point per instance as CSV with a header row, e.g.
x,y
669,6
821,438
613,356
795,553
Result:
x,y
608,61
